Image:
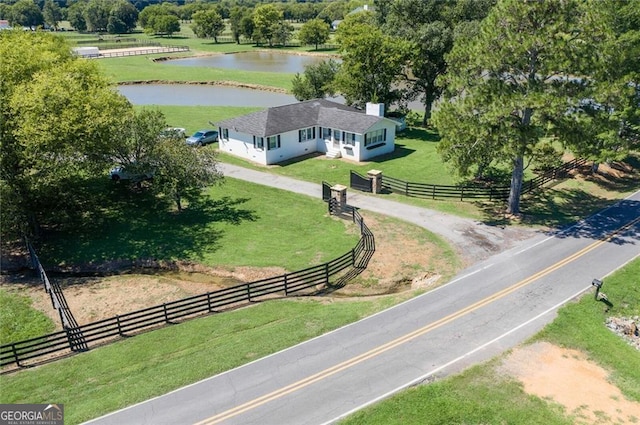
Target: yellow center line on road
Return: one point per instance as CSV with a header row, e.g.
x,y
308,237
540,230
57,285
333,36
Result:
x,y
408,337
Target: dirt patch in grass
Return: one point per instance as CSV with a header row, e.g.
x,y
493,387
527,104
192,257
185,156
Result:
x,y
568,378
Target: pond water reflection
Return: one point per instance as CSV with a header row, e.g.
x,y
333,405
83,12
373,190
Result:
x,y
206,95
253,61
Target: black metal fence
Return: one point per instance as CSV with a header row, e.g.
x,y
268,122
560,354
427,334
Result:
x,y
335,272
462,193
59,302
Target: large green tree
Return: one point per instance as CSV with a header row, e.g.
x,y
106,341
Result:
x,y
52,13
57,116
75,16
266,20
431,26
236,17
519,81
179,171
316,82
25,13
184,171
606,126
208,24
315,31
123,17
373,63
96,15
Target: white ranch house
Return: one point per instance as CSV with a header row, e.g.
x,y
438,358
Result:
x,y
284,132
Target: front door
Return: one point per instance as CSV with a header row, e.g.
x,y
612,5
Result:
x,y
336,139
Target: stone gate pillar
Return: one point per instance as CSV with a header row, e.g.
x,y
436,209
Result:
x,y
376,180
339,193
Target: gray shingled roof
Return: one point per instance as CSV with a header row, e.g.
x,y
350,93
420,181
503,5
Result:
x,y
281,119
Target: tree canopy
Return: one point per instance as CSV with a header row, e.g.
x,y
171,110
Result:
x,y
266,21
316,82
314,32
63,125
208,24
57,115
431,26
373,63
521,81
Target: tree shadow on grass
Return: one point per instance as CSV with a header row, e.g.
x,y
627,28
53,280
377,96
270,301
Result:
x,y
134,226
400,151
418,133
562,211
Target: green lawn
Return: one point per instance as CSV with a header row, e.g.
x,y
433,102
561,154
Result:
x,y
477,396
195,118
151,364
581,326
482,395
142,68
19,321
237,224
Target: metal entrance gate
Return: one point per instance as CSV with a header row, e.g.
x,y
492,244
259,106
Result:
x,y
360,182
326,191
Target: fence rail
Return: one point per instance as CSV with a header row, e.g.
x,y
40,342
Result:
x,y
96,333
149,51
69,324
432,191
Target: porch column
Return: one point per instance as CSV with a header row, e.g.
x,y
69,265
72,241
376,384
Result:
x,y
376,180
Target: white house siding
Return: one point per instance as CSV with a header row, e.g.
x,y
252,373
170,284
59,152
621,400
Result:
x,y
290,147
361,153
240,144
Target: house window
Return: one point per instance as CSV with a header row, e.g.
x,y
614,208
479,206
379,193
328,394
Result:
x,y
225,133
348,138
258,142
273,142
336,134
306,134
375,137
326,133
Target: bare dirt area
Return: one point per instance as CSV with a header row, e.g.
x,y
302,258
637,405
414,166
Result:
x,y
568,378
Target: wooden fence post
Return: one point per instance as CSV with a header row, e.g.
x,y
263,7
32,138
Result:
x,y
15,355
119,325
166,314
248,292
209,301
286,289
326,273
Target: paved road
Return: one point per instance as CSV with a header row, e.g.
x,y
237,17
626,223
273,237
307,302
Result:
x,y
487,309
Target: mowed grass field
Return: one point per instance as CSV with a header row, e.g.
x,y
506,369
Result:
x,y
237,223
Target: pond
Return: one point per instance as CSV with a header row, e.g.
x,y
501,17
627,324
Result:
x,y
253,61
202,95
